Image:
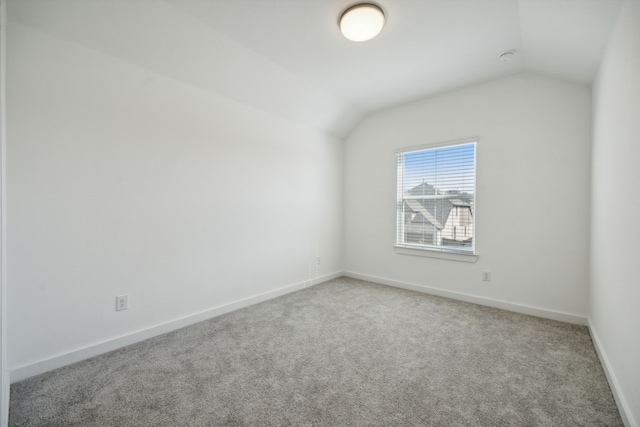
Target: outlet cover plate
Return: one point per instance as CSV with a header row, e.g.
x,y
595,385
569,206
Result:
x,y
122,302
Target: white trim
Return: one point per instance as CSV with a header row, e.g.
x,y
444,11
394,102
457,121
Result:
x,y
26,371
4,372
623,406
504,305
429,146
433,253
6,388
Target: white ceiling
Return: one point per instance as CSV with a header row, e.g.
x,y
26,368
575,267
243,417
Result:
x,y
287,57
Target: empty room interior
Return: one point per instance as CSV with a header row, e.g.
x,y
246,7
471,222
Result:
x,y
242,212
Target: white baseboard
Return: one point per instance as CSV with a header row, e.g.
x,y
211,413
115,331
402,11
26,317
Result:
x,y
30,370
26,371
4,404
504,305
623,406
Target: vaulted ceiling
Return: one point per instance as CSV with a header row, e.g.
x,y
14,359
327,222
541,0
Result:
x,y
287,57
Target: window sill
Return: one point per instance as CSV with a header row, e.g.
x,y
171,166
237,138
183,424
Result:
x,y
451,256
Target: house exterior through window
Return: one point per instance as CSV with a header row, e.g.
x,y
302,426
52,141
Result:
x,y
436,197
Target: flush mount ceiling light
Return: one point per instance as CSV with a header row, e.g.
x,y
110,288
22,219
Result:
x,y
362,22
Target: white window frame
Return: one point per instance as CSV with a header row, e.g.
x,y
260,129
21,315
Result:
x,y
433,251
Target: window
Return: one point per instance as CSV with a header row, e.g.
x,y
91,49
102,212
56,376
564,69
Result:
x,y
436,197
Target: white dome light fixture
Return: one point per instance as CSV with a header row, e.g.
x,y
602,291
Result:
x,y
362,22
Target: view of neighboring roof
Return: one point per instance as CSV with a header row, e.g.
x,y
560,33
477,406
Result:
x,y
438,209
433,211
459,202
417,207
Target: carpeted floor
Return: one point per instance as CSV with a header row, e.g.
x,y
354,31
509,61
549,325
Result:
x,y
342,353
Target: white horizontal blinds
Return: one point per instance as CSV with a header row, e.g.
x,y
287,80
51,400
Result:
x,y
436,191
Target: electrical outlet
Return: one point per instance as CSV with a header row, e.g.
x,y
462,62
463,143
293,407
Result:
x,y
122,302
486,276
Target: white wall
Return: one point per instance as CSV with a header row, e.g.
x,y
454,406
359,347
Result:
x,y
615,226
532,218
123,181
